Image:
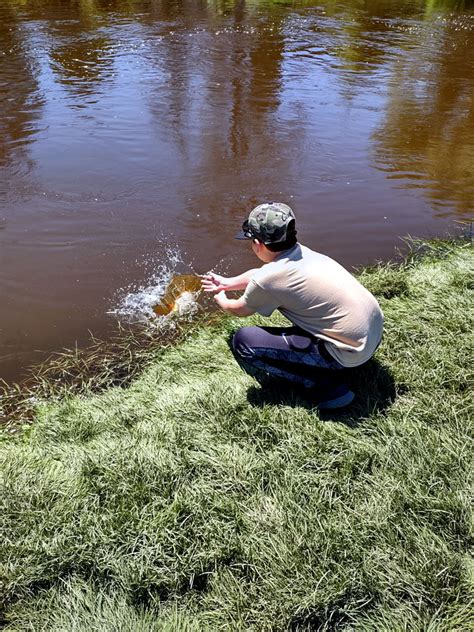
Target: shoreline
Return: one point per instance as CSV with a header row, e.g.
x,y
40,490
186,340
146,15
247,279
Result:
x,y
118,359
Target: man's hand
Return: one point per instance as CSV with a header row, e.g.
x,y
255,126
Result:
x,y
214,282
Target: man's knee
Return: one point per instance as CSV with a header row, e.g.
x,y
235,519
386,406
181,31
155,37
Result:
x,y
243,342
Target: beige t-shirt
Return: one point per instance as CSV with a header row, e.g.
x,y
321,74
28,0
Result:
x,y
317,294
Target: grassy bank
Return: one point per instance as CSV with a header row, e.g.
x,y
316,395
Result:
x,y
190,499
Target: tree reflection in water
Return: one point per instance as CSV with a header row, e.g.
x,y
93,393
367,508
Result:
x,y
20,98
426,140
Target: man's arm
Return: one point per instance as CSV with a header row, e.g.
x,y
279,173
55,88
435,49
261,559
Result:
x,y
215,283
236,307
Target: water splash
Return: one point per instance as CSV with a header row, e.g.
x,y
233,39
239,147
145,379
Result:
x,y
135,303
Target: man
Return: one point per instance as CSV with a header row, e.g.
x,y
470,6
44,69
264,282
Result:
x,y
337,323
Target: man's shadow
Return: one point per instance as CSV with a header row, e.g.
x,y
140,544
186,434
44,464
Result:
x,y
372,384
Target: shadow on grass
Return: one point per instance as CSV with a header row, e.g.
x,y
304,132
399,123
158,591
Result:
x,y
372,384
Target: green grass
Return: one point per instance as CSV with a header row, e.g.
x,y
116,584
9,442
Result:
x,y
190,499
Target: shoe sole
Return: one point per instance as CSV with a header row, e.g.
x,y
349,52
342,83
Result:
x,y
337,402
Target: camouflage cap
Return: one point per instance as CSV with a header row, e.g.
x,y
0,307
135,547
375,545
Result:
x,y
269,223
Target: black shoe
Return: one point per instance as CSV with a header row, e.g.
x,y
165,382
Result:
x,y
336,398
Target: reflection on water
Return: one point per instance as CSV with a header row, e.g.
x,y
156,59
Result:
x,y
20,99
426,137
130,125
82,64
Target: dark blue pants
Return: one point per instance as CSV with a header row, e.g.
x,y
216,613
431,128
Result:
x,y
286,353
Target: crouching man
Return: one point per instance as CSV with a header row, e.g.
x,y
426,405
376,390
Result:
x,y
336,322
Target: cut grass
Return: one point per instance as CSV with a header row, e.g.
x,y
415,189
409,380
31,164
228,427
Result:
x,y
190,499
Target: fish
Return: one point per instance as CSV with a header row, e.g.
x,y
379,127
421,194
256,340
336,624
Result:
x,y
182,285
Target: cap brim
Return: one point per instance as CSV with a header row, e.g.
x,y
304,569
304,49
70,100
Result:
x,y
242,235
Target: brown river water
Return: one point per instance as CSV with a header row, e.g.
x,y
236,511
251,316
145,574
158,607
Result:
x,y
136,135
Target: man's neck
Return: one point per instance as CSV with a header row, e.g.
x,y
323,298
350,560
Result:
x,y
272,256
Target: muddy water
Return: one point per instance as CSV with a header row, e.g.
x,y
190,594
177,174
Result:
x,y
132,129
